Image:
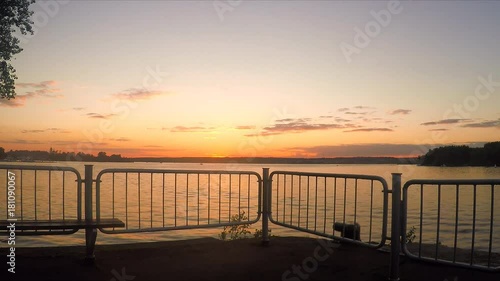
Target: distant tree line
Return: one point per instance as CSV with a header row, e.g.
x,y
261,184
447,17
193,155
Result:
x,y
54,155
462,155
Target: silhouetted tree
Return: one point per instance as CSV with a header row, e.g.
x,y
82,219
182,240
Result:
x,y
488,155
2,153
14,16
101,156
492,150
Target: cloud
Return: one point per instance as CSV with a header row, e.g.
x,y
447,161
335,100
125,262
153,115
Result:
x,y
41,85
363,107
298,125
43,89
194,129
120,139
438,130
285,120
53,130
288,120
94,115
22,141
484,124
326,116
343,109
355,113
370,130
338,119
445,122
78,108
400,111
245,127
18,101
32,131
138,94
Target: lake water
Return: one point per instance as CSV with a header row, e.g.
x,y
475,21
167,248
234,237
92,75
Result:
x,y
209,200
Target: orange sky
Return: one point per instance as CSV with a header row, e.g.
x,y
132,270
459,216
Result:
x,y
167,78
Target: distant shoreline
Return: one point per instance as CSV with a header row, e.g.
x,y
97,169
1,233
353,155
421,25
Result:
x,y
248,160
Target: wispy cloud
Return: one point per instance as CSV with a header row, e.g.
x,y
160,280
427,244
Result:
x,y
194,129
32,131
43,89
138,94
288,120
438,130
363,107
291,125
338,119
400,112
357,110
78,108
120,139
53,130
445,122
22,141
370,130
245,127
94,115
484,124
40,85
355,113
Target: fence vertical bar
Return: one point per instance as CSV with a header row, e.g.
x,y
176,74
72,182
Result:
x,y
395,226
266,192
90,233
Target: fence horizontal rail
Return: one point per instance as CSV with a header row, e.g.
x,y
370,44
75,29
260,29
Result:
x,y
41,193
340,206
453,222
150,200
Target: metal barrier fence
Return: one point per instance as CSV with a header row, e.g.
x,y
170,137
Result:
x,y
41,193
453,221
315,202
157,200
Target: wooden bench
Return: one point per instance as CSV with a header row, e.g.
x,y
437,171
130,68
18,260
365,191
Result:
x,y
54,227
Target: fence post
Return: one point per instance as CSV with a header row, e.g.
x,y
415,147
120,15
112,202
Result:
x,y
265,206
395,227
90,232
88,192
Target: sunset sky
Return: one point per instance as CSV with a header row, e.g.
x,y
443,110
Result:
x,y
256,78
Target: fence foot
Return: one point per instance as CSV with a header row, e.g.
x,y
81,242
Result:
x,y
90,238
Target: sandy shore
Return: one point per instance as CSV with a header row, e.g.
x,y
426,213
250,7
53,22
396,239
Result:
x,y
211,259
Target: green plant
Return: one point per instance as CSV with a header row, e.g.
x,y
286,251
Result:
x,y
411,235
258,233
239,231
